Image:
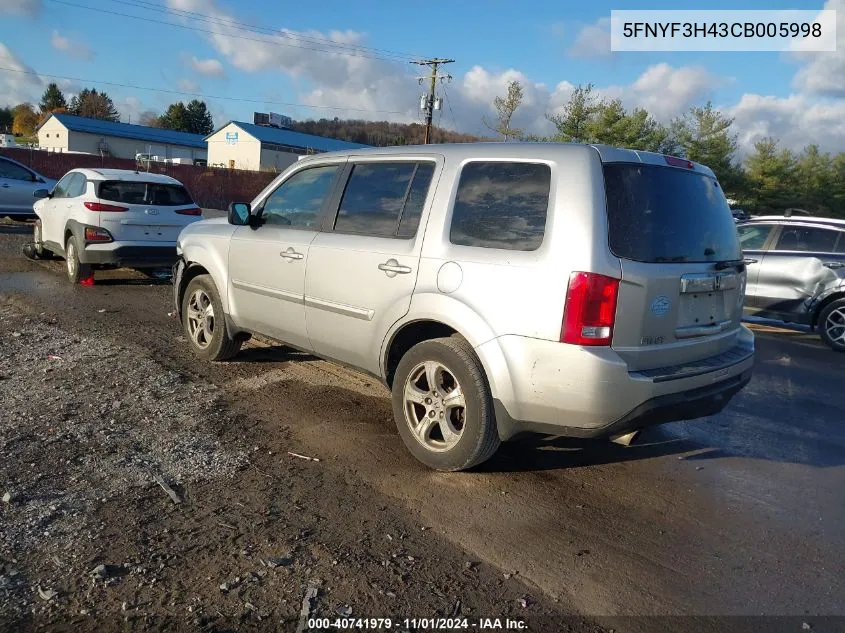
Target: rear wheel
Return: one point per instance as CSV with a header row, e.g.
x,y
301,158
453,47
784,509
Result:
x,y
38,240
831,325
76,270
204,323
443,407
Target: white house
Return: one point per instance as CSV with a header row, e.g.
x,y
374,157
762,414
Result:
x,y
240,145
68,133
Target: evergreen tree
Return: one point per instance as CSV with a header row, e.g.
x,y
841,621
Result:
x,y
52,99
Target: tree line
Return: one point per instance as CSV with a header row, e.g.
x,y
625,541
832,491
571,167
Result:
x,y
770,179
24,118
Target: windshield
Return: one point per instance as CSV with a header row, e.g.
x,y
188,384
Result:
x,y
665,214
145,193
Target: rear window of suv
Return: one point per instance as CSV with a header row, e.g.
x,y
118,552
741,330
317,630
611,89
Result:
x,y
154,193
664,214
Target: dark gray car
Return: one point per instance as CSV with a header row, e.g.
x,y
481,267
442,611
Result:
x,y
799,272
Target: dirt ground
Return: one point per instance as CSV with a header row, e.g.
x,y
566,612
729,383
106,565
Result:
x,y
704,525
89,541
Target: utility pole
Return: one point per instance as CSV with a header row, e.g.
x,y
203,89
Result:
x,y
429,99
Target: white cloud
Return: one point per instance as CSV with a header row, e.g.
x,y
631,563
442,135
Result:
x,y
824,73
20,86
26,8
667,92
186,85
74,48
796,120
208,67
593,40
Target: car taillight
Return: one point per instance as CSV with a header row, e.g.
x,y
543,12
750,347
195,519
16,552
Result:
x,y
191,211
100,206
590,310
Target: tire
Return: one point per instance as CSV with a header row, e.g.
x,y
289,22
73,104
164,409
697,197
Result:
x,y
76,270
455,437
831,325
37,240
204,323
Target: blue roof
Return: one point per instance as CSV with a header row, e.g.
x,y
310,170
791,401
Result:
x,y
127,130
290,138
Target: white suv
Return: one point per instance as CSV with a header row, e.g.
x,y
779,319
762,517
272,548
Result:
x,y
495,288
112,217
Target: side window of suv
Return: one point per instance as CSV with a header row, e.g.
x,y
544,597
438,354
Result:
x,y
61,188
384,199
76,187
807,239
753,237
298,200
501,205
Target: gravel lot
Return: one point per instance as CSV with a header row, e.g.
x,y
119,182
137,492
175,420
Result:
x,y
89,541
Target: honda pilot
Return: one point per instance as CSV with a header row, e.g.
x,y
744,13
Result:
x,y
496,289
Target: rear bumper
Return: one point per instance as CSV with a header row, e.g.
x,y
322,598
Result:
x,y
556,389
131,254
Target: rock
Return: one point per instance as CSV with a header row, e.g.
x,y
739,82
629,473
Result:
x,y
16,334
523,603
100,572
805,626
47,594
7,497
281,561
344,610
224,587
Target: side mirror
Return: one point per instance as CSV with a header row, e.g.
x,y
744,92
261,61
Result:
x,y
240,213
40,193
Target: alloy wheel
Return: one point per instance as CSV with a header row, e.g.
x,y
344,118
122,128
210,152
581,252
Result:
x,y
834,326
200,318
435,406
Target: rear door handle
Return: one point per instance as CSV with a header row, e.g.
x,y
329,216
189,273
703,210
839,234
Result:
x,y
4,185
291,254
394,267
834,265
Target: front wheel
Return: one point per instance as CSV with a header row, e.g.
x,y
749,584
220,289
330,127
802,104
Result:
x,y
443,406
831,325
204,323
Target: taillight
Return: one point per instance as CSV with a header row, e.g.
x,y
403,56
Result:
x,y
679,162
100,206
590,310
191,211
94,234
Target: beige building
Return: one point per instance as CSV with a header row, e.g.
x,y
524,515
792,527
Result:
x,y
239,145
68,133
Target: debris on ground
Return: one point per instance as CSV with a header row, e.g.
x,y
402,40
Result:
x,y
170,492
305,457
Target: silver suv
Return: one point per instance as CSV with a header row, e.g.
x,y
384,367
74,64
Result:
x,y
799,272
495,288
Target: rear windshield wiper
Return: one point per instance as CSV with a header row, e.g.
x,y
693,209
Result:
x,y
676,258
739,264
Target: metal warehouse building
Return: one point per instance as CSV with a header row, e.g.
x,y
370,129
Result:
x,y
68,133
240,145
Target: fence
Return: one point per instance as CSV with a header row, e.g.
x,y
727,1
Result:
x,y
211,187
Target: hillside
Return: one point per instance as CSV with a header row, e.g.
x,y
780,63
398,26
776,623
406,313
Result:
x,y
379,133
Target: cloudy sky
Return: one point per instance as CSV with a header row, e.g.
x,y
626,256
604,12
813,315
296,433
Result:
x,y
351,59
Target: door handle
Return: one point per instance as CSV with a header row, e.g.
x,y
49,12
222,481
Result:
x,y
833,265
291,254
4,185
748,261
392,266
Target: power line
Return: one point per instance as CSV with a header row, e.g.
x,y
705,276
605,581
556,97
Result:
x,y
278,32
234,35
196,94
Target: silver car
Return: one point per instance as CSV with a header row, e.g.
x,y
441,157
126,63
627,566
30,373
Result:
x,y
495,288
18,187
799,272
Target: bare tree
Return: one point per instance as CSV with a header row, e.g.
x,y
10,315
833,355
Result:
x,y
505,109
